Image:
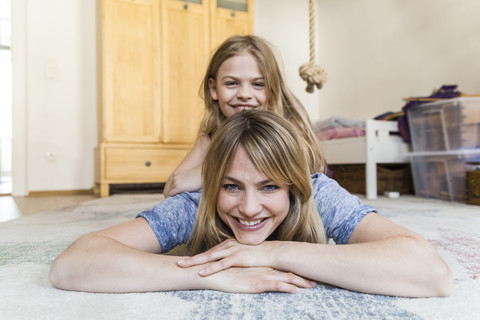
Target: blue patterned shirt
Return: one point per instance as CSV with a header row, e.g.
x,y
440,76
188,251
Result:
x,y
172,219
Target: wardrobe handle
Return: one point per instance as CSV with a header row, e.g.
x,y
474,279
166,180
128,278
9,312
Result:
x,y
185,6
232,14
148,163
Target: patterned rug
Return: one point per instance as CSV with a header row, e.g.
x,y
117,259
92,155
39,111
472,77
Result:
x,y
28,246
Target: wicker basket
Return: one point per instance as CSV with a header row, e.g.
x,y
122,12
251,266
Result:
x,y
389,178
473,187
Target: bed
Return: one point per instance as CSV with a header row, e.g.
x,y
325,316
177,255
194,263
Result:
x,y
381,145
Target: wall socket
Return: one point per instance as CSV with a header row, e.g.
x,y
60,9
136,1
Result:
x,y
50,69
51,156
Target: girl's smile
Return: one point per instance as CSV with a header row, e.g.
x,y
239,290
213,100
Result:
x,y
239,85
251,204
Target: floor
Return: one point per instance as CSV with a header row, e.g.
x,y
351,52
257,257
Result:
x,y
5,185
17,207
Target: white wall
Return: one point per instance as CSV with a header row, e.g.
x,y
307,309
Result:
x,y
60,104
377,52
285,25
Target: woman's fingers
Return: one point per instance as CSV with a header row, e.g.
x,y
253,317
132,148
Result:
x,y
228,254
286,282
202,258
210,267
256,280
278,286
216,253
300,281
217,267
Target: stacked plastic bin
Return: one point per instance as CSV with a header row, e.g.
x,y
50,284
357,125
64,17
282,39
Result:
x,y
446,144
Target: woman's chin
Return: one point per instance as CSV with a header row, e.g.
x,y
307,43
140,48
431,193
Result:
x,y
249,241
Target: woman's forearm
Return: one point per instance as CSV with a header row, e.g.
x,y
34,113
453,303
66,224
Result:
x,y
95,263
400,266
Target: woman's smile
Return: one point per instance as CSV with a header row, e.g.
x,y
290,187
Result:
x,y
251,225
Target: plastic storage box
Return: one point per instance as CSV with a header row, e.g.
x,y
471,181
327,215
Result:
x,y
442,175
445,125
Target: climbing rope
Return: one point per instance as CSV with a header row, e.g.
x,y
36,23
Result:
x,y
310,72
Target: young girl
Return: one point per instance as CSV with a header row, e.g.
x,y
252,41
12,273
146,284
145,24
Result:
x,y
243,74
262,225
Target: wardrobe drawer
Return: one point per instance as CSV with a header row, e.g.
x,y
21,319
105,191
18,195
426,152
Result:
x,y
141,164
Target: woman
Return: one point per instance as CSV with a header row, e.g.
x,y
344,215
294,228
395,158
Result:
x,y
257,229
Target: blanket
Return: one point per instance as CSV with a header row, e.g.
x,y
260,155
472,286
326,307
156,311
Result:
x,y
28,246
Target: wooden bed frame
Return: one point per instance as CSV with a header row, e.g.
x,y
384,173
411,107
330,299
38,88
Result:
x,y
381,145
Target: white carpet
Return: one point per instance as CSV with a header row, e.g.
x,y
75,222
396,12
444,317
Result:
x,y
28,246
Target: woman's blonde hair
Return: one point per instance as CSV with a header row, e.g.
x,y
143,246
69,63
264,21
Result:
x,y
279,97
277,149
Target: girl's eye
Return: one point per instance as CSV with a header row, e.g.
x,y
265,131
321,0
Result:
x,y
271,188
230,83
230,187
259,84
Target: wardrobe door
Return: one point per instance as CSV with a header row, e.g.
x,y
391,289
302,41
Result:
x,y
185,44
130,71
230,17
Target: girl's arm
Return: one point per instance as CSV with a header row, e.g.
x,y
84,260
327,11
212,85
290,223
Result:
x,y
126,258
381,257
187,175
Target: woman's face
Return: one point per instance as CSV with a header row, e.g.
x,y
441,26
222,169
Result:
x,y
239,85
251,204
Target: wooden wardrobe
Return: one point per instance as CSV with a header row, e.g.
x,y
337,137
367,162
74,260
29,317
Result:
x,y
152,55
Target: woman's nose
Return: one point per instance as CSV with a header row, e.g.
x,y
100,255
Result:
x,y
250,205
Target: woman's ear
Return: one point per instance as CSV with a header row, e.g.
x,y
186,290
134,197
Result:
x,y
213,88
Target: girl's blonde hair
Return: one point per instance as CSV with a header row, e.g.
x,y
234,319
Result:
x,y
277,149
279,97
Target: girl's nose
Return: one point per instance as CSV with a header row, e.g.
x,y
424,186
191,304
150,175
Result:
x,y
244,92
250,205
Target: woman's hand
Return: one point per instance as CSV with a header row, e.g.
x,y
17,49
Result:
x,y
229,254
257,280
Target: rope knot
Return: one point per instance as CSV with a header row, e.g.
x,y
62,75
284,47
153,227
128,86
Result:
x,y
314,75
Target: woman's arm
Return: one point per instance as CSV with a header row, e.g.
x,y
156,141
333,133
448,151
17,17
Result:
x,y
380,258
117,259
126,258
187,175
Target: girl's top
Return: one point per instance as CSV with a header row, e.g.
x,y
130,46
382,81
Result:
x,y
172,219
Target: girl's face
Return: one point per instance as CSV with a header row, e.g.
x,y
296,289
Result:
x,y
239,85
251,204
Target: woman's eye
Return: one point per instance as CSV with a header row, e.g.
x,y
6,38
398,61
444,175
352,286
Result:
x,y
271,187
230,187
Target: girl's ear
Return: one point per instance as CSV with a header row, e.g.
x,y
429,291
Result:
x,y
213,88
